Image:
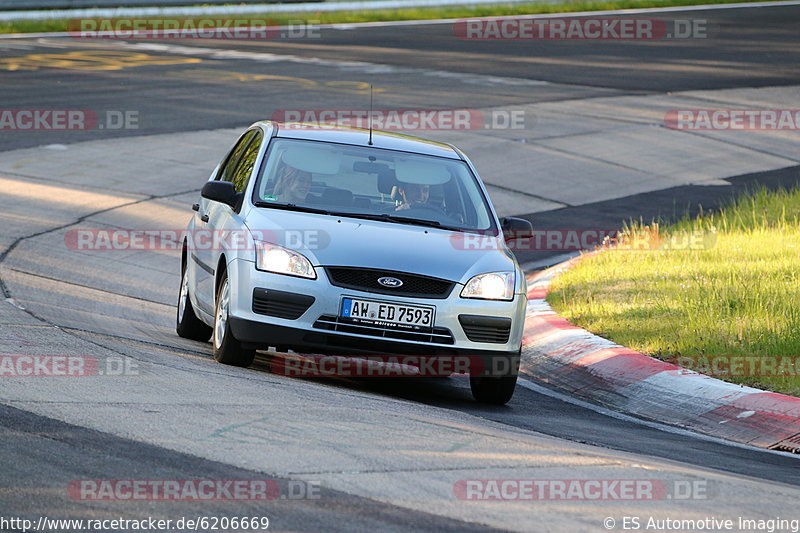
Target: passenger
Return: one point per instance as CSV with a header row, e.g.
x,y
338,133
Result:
x,y
293,185
413,195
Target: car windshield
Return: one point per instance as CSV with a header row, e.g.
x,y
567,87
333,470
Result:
x,y
372,183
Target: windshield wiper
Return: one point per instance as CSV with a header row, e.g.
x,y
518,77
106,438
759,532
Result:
x,y
292,207
385,217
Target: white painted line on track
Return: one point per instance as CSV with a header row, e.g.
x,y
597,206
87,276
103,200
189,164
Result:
x,y
300,7
430,22
526,383
352,66
644,10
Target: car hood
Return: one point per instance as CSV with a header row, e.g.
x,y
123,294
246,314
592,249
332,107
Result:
x,y
341,241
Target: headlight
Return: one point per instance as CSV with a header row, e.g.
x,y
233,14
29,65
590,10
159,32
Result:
x,y
280,260
490,286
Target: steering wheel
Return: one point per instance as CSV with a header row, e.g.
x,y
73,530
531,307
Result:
x,y
426,207
416,208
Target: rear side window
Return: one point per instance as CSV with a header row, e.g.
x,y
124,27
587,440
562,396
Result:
x,y
227,170
244,167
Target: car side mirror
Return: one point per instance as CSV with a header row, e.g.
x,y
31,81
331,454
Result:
x,y
221,191
516,228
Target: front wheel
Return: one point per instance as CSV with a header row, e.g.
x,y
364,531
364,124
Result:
x,y
187,325
226,348
496,390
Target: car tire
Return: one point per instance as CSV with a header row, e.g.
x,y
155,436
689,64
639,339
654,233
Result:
x,y
495,390
187,325
225,347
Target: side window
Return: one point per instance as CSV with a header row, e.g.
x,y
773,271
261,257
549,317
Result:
x,y
244,168
227,169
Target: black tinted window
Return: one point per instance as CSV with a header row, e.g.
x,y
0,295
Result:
x,y
228,168
244,168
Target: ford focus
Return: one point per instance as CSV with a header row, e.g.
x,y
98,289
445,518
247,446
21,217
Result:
x,y
345,241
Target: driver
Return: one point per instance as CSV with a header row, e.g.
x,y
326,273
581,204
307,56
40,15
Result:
x,y
413,195
292,185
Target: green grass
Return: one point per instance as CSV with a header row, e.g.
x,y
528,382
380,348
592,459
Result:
x,y
736,292
415,13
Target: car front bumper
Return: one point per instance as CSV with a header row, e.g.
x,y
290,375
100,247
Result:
x,y
310,331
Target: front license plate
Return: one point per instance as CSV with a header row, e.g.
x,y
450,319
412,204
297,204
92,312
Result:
x,y
387,314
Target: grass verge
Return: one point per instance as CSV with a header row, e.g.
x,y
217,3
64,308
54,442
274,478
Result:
x,y
720,296
411,13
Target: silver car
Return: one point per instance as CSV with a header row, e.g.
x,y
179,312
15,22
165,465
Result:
x,y
331,240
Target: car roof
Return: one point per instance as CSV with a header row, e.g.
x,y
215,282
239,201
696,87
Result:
x,y
360,137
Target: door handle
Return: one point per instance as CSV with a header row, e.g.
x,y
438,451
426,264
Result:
x,y
195,207
204,218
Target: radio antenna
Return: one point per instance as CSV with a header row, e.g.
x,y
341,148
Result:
x,y
370,115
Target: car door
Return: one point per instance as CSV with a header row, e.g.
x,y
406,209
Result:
x,y
215,217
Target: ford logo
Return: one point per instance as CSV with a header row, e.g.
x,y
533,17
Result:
x,y
390,282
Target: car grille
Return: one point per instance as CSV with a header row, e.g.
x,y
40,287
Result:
x,y
495,330
366,279
435,335
280,304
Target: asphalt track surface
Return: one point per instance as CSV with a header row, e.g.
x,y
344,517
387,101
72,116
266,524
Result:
x,y
743,48
746,48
